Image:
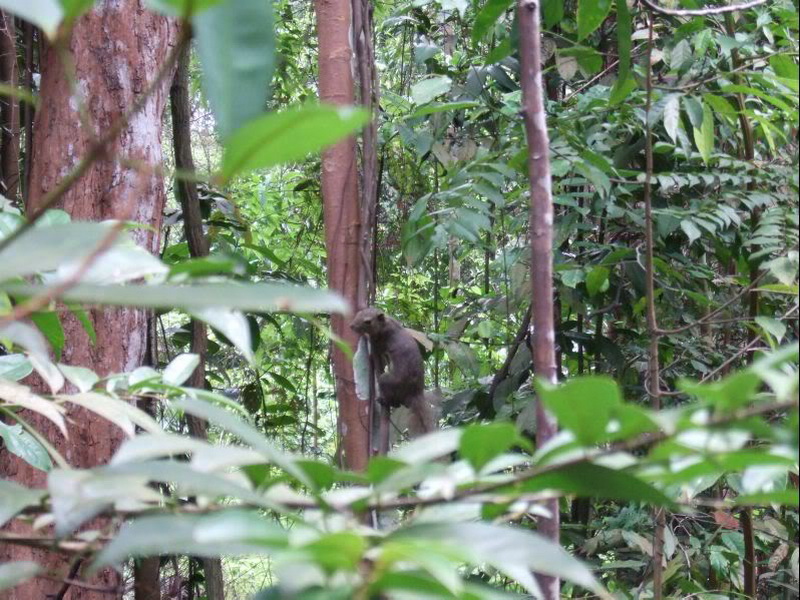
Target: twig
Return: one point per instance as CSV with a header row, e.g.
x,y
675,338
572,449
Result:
x,y
715,312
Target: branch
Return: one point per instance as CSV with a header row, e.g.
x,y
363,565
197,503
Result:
x,y
701,12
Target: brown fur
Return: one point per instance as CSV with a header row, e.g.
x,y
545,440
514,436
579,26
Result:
x,y
403,384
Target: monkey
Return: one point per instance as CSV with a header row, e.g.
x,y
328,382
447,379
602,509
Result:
x,y
404,382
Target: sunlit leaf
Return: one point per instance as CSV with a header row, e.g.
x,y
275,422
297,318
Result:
x,y
288,135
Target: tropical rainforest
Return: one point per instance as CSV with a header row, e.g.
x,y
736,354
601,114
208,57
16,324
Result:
x,y
573,222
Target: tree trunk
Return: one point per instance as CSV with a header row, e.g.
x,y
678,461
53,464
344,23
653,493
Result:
x,y
198,247
342,220
541,235
9,109
118,48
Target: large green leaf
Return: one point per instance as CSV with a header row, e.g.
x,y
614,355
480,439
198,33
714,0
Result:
x,y
45,248
14,367
426,90
590,480
246,432
230,532
625,83
14,497
235,41
180,8
255,297
21,443
289,135
487,16
584,405
481,443
704,135
591,14
514,552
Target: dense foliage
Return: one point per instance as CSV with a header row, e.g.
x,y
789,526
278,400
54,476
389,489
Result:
x,y
712,99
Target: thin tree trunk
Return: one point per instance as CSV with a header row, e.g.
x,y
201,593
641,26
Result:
x,y
653,379
118,48
342,216
541,234
9,109
186,192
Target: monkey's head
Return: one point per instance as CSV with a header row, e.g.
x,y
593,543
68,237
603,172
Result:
x,y
368,321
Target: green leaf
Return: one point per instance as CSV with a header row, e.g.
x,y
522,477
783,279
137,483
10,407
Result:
x,y
625,83
14,498
181,8
694,108
75,8
246,432
430,109
672,116
22,396
426,90
81,377
45,248
21,443
591,14
487,16
15,367
235,42
552,12
233,325
595,481
785,66
783,268
691,230
514,552
180,368
774,327
781,497
481,443
597,280
45,14
233,532
704,136
730,393
50,326
189,481
743,89
340,550
123,414
288,135
720,105
252,297
16,572
583,405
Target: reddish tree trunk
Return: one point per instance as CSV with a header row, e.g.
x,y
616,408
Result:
x,y
342,219
117,48
541,234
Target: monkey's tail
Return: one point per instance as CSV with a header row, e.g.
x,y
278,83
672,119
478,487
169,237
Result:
x,y
425,415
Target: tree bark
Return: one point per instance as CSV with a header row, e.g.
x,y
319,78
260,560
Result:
x,y
186,192
9,109
117,48
342,216
541,234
